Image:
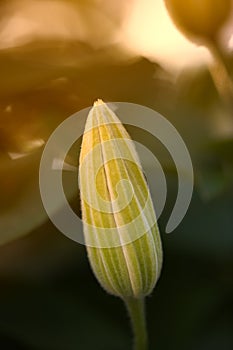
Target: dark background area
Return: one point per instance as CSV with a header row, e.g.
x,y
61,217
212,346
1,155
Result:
x,y
49,298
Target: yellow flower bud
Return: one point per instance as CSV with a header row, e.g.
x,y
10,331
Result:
x,y
199,19
120,226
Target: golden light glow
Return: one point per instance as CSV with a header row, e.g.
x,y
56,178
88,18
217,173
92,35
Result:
x,y
151,32
147,30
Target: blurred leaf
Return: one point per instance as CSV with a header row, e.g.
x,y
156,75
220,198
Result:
x,y
21,207
206,230
212,183
34,104
35,64
72,20
215,172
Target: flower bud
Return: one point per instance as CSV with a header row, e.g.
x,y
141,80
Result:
x,y
199,19
120,226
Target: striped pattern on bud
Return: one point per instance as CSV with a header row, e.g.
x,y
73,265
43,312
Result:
x,y
120,226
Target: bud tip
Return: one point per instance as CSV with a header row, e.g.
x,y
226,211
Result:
x,y
98,102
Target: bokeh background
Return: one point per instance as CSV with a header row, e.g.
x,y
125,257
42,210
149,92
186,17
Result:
x,y
57,57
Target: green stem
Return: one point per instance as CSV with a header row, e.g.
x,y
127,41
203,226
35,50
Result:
x,y
136,308
222,79
220,73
